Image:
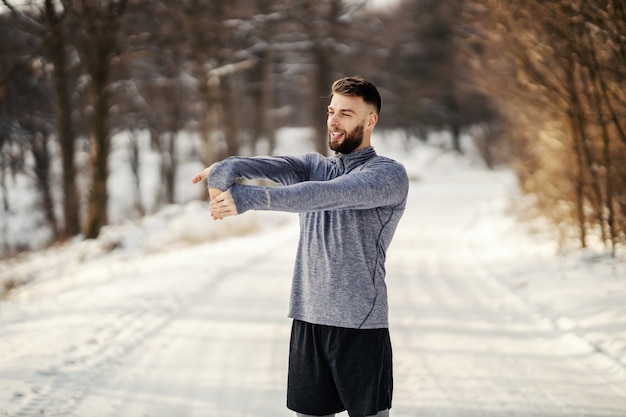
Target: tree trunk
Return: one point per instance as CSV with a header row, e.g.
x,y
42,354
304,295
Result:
x,y
168,167
230,113
100,24
264,126
134,157
594,196
65,130
321,86
599,96
41,155
578,181
97,211
452,106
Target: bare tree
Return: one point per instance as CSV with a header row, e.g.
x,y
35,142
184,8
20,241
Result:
x,y
320,23
95,26
57,51
52,29
265,77
151,93
568,60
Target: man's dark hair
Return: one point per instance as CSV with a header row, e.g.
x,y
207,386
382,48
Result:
x,y
358,87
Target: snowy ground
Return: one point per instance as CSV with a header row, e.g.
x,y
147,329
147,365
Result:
x,y
177,315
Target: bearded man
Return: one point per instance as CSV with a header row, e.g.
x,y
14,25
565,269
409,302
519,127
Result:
x,y
349,204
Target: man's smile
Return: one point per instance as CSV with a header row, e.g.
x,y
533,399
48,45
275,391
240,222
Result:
x,y
336,135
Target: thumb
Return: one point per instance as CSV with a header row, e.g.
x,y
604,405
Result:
x,y
202,175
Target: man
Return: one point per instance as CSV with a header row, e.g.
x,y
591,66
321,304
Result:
x,y
350,204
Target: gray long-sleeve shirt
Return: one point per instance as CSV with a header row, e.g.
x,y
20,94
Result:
x,y
349,206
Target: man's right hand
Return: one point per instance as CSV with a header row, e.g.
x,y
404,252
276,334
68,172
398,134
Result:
x,y
213,192
202,175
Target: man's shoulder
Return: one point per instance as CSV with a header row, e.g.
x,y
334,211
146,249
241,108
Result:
x,y
385,161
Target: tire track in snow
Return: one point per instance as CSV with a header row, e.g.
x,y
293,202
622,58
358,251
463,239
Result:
x,y
63,385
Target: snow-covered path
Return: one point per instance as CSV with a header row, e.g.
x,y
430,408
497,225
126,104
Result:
x,y
198,331
467,345
201,330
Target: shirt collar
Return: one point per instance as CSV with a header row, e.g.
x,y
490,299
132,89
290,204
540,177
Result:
x,y
357,157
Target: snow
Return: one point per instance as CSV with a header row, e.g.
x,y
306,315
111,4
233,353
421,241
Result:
x,y
175,314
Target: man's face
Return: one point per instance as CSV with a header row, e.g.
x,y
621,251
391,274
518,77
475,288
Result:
x,y
349,123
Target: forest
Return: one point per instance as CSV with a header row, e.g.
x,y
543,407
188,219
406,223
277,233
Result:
x,y
539,86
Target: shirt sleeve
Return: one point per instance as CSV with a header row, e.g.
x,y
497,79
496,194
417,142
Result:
x,y
382,184
284,170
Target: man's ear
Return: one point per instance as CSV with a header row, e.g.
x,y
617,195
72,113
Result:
x,y
372,120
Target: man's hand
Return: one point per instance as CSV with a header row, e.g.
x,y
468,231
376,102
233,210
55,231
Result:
x,y
222,205
213,192
202,175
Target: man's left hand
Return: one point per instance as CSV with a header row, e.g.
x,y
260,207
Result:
x,y
223,205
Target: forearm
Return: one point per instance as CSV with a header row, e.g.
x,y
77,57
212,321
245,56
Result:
x,y
361,191
283,170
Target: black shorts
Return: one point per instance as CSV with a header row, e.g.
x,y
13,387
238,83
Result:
x,y
332,369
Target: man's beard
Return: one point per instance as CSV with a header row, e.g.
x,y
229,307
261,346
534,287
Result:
x,y
351,141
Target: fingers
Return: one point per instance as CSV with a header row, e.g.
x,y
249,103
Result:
x,y
213,192
219,210
202,175
222,206
222,203
222,213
